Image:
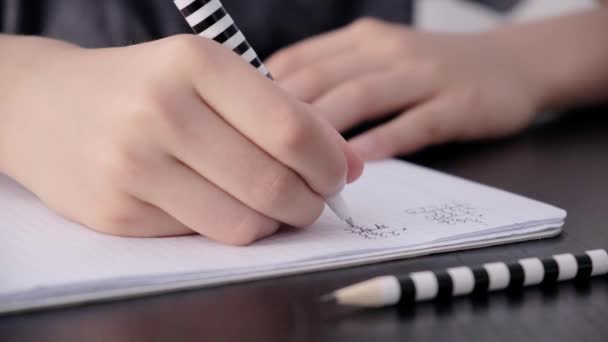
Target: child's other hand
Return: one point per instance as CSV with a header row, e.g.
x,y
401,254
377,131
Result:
x,y
446,86
167,138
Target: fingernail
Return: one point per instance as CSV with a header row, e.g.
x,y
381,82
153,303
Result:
x,y
366,148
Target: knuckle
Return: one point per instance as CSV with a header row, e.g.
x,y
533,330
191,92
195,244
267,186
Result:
x,y
314,76
272,192
155,103
185,44
146,108
248,230
283,60
191,51
280,191
181,132
180,47
393,45
293,131
152,114
357,91
117,221
122,165
163,121
367,24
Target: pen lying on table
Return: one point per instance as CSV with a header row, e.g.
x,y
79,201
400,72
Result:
x,y
460,281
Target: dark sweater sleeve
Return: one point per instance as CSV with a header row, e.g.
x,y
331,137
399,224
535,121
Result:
x,y
92,23
268,24
20,17
502,6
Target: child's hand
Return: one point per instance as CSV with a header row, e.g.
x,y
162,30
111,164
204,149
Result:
x,y
167,138
446,86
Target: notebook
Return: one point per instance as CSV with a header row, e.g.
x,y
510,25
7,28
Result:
x,y
401,210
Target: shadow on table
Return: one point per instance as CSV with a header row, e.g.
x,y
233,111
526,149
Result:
x,y
459,315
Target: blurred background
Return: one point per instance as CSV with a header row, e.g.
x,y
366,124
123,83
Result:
x,y
470,16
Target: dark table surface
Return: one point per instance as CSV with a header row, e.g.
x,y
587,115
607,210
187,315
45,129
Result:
x,y
564,163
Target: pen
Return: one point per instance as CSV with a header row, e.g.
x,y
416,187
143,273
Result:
x,y
460,281
209,19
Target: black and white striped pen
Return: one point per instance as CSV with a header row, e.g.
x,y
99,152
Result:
x,y
461,281
209,19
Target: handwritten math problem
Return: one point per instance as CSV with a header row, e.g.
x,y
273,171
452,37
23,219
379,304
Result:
x,y
449,213
453,213
376,231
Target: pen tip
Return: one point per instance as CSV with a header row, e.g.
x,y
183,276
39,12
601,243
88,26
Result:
x,y
350,222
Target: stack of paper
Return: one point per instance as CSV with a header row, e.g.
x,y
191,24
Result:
x,y
401,210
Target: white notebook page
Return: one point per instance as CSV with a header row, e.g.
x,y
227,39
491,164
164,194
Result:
x,y
395,205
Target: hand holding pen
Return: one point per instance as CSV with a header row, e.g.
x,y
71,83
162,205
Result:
x,y
175,136
209,19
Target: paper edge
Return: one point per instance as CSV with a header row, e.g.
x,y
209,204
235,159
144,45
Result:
x,y
158,289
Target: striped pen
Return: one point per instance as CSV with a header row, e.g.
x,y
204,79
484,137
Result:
x,y
209,19
460,281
